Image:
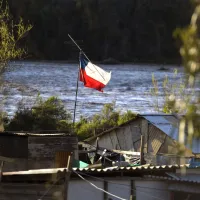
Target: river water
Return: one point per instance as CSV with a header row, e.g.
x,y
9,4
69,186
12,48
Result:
x,y
129,87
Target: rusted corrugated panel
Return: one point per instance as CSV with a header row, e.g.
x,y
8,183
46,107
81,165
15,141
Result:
x,y
61,159
169,146
169,124
155,139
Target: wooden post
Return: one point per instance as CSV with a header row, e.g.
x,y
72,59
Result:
x,y
142,150
105,187
133,190
67,177
1,169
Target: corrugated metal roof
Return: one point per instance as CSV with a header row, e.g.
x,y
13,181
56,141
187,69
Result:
x,y
129,169
106,170
166,123
169,124
181,179
36,171
33,134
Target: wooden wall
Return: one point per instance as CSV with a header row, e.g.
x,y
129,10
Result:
x,y
156,142
126,137
42,151
13,146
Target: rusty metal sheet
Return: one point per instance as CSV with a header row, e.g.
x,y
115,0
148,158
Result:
x,y
155,139
169,124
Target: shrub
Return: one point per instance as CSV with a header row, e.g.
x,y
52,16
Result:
x,y
44,115
107,119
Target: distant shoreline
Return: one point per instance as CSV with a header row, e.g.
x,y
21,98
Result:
x,y
162,63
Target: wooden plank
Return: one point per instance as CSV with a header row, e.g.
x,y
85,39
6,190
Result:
x,y
121,139
105,187
1,169
115,143
142,150
127,152
6,159
61,159
128,138
136,133
67,177
144,131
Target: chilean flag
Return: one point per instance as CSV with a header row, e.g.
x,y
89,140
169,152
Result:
x,y
93,76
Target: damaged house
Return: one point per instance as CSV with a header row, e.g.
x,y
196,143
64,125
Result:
x,y
155,135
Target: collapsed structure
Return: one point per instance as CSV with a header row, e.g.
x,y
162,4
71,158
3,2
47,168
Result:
x,y
139,159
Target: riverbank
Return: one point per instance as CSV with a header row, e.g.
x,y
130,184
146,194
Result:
x,y
166,62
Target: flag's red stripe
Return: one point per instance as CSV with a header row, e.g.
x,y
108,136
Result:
x,y
90,82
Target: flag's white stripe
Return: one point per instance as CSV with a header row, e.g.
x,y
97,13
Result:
x,y
97,73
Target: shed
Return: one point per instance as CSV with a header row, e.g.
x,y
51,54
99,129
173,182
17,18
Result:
x,y
160,133
36,150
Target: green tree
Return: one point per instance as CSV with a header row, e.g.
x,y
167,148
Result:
x,y
43,116
10,35
120,29
106,119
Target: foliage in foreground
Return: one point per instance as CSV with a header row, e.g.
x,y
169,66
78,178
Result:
x,y
186,103
190,52
10,35
172,93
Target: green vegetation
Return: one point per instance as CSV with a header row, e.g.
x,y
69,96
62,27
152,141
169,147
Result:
x,y
121,31
190,52
51,115
130,30
172,94
106,119
180,97
10,35
43,116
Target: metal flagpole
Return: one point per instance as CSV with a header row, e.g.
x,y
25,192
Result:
x,y
76,44
81,51
75,100
84,54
